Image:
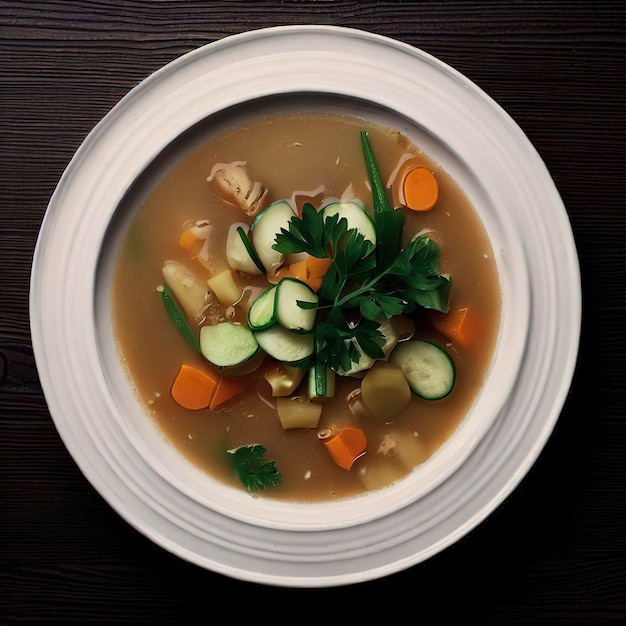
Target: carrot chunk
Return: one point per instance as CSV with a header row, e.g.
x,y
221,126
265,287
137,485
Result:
x,y
310,270
346,446
193,388
189,241
318,266
421,189
459,325
228,388
297,270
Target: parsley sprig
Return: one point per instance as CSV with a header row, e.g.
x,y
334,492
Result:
x,y
381,279
252,470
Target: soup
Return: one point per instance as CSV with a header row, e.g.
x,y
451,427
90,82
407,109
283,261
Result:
x,y
292,329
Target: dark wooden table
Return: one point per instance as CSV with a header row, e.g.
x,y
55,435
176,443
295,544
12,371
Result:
x,y
555,550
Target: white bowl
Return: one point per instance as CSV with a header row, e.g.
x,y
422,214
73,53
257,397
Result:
x,y
117,446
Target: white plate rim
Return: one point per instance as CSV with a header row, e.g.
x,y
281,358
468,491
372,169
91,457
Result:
x,y
253,562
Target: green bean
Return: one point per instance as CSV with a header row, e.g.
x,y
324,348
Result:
x,y
378,190
179,320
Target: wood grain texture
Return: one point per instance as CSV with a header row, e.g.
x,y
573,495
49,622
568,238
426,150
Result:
x,y
555,551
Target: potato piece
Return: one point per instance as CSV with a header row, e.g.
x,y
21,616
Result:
x,y
296,412
376,472
284,379
191,292
385,390
407,448
225,288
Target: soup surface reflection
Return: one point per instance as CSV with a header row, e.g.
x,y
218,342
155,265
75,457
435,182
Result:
x,y
300,158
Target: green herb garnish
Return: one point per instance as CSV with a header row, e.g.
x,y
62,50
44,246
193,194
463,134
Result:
x,y
382,279
252,470
312,234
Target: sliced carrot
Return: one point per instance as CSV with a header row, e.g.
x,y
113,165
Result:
x,y
310,270
346,446
421,189
228,388
193,388
297,270
459,325
190,242
318,266
315,283
280,272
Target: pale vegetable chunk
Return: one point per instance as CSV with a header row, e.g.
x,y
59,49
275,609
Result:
x,y
188,289
295,412
236,185
385,390
407,448
237,254
376,473
225,288
284,379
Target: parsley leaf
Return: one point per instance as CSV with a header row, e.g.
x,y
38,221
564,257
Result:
x,y
382,279
376,304
311,233
254,472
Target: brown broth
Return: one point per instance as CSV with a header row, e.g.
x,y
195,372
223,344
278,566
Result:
x,y
289,153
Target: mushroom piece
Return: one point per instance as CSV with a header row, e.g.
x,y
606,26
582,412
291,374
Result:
x,y
234,183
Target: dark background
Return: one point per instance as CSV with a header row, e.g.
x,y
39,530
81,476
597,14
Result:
x,y
554,551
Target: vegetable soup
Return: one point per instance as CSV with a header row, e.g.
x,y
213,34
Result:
x,y
307,306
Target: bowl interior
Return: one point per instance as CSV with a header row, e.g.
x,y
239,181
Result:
x,y
146,440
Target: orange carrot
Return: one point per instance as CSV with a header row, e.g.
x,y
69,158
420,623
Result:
x,y
317,266
420,189
310,270
228,388
459,325
297,270
346,446
190,242
193,388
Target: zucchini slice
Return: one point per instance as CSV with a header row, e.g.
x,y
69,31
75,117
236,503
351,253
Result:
x,y
390,330
264,228
261,312
356,215
231,348
287,311
428,368
295,349
239,251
